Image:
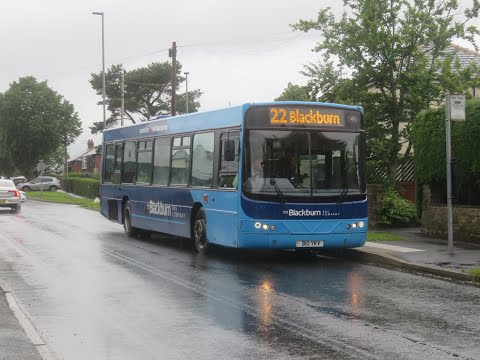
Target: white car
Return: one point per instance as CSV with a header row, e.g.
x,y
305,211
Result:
x,y
10,196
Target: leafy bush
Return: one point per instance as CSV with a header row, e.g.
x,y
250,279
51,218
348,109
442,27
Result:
x,y
430,153
82,186
396,211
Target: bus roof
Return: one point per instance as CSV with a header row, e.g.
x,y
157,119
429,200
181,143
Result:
x,y
198,121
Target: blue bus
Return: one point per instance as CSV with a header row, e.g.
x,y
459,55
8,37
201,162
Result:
x,y
280,175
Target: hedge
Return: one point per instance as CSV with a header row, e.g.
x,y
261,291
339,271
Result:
x,y
82,186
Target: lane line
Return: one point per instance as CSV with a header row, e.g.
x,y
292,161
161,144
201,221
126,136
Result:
x,y
29,329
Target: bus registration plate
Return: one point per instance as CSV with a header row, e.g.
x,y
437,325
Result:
x,y
309,243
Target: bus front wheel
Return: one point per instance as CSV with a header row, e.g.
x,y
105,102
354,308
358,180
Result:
x,y
127,221
200,232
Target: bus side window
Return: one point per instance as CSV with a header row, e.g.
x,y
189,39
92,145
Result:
x,y
144,162
117,174
202,159
129,162
161,161
180,161
228,170
109,163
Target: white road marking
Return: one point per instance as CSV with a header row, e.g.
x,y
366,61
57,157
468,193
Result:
x,y
391,247
29,329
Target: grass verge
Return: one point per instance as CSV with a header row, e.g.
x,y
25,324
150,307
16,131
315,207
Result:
x,y
60,197
475,273
382,236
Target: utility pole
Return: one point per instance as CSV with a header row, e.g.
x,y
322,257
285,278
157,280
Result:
x,y
186,89
122,95
454,111
449,172
173,55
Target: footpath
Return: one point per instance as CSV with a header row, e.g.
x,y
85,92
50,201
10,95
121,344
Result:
x,y
418,252
415,252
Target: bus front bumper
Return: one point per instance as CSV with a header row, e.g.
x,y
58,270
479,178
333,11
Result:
x,y
299,236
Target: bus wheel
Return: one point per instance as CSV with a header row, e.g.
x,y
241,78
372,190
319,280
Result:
x,y
127,221
200,232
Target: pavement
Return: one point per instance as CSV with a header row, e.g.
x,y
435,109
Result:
x,y
423,254
415,252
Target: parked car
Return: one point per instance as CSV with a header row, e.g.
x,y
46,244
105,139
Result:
x,y
41,183
10,195
23,197
19,179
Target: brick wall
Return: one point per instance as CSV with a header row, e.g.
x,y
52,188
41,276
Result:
x,y
466,219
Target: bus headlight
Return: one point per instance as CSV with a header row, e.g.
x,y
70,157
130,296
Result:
x,y
361,224
258,225
354,225
265,227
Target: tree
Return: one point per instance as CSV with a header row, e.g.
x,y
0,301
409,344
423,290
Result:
x,y
395,49
34,121
295,93
147,93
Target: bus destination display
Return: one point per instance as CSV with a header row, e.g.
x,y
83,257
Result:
x,y
305,116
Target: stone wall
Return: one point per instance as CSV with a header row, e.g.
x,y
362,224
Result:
x,y
466,219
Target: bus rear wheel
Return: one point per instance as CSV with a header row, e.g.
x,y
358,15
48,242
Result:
x,y
199,232
127,221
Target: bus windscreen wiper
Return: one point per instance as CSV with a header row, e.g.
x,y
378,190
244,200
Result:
x,y
273,182
343,195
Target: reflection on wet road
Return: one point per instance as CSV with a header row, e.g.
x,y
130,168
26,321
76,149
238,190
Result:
x,y
92,293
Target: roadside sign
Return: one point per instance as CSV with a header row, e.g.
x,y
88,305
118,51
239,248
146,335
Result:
x,y
457,107
41,166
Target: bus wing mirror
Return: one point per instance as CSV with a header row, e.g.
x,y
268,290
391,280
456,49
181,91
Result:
x,y
229,150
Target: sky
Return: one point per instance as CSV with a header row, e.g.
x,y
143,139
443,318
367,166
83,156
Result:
x,y
235,52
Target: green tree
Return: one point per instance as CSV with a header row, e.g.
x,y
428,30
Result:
x,y
34,121
295,93
395,49
147,93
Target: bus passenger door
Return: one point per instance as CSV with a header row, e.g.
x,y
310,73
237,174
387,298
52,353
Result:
x,y
222,211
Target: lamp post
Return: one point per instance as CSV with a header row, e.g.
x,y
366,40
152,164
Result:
x,y
186,90
103,68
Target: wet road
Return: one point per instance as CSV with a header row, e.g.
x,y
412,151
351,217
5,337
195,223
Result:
x,y
92,293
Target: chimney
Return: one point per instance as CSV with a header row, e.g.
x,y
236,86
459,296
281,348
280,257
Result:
x,y
90,144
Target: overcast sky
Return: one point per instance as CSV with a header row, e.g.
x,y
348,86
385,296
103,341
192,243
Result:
x,y
235,52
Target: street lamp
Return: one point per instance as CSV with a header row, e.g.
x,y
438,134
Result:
x,y
186,90
103,68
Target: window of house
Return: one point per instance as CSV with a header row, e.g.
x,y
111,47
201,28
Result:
x,y
161,161
129,162
202,159
84,162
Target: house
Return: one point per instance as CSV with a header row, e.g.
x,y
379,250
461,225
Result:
x,y
88,161
465,57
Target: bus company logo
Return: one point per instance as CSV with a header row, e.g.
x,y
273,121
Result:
x,y
353,119
307,212
161,129
159,208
